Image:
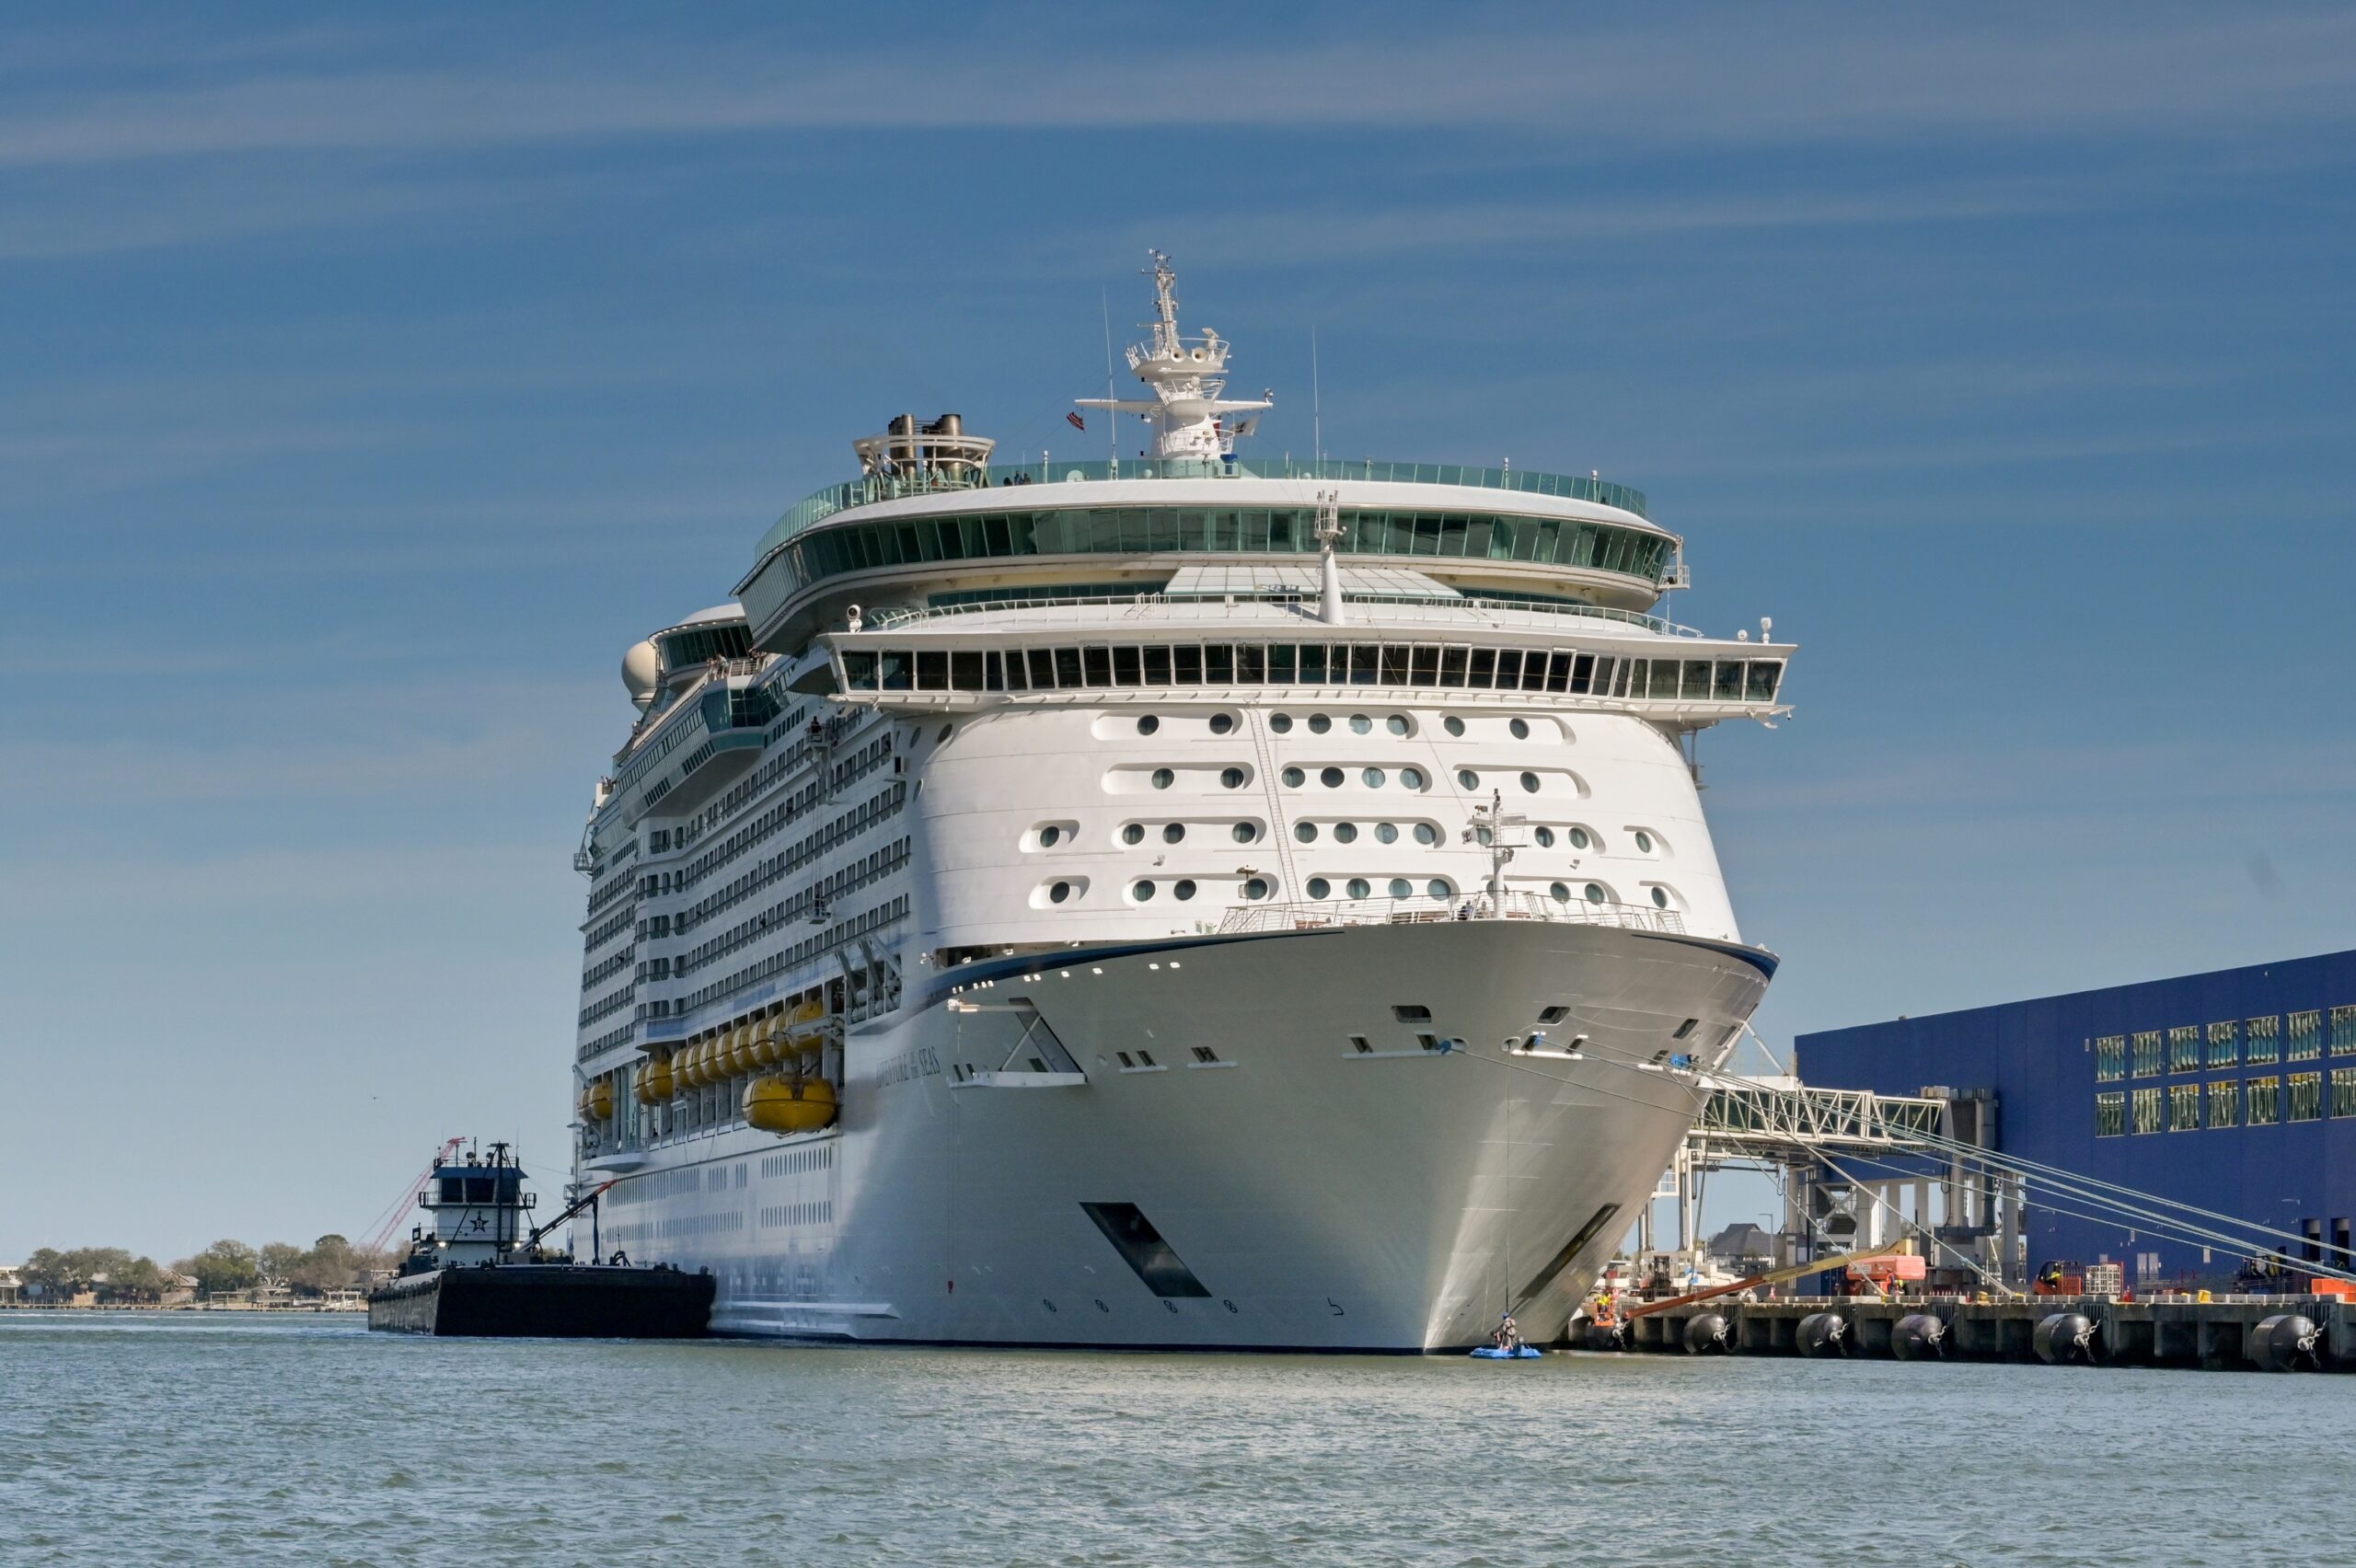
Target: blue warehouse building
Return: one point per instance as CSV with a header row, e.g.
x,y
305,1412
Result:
x,y
2235,1090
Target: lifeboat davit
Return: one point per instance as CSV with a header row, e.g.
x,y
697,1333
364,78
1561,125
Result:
x,y
795,1104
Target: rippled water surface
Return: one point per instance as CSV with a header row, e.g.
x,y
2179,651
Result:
x,y
221,1437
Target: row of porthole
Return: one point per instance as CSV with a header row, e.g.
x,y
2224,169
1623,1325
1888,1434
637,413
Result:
x,y
1594,894
1347,832
1320,724
1399,887
1344,831
1372,778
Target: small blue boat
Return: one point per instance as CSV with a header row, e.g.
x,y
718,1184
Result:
x,y
1520,1352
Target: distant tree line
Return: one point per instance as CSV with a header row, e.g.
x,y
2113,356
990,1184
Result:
x,y
114,1274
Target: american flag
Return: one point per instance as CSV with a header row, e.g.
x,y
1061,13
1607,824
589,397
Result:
x,y
1076,422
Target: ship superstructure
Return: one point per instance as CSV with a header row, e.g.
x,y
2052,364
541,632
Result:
x,y
1192,900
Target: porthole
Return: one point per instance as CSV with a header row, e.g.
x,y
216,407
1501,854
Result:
x,y
1222,722
1319,887
1256,888
1233,778
1375,778
1148,725
1346,833
1330,778
1660,898
1520,728
1164,779
1426,834
1292,777
1401,888
1144,892
1580,839
1305,831
1439,889
1281,723
1361,725
1244,832
1467,779
1595,893
1453,725
1546,837
1182,891
1388,832
1174,833
1396,723
1133,834
1530,783
1050,836
1562,892
1413,777
1361,888
1058,893
1643,842
1318,723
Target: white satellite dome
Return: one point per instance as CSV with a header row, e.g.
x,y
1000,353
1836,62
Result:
x,y
642,671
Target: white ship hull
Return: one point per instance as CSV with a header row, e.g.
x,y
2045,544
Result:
x,y
1318,1197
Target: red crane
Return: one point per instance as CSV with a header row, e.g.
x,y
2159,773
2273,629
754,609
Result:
x,y
390,1220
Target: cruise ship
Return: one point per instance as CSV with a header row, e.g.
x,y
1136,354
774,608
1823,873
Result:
x,y
1198,900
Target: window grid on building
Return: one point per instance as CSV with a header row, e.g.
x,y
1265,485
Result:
x,y
2263,1040
2110,1113
2265,1101
2147,1053
2343,1091
2224,1043
2305,1098
2225,1102
2306,1032
2147,1110
2343,1031
2184,1108
2183,1049
2110,1058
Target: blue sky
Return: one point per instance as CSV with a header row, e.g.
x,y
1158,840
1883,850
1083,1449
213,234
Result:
x,y
370,378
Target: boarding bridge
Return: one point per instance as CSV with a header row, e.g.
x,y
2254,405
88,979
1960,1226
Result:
x,y
1858,1169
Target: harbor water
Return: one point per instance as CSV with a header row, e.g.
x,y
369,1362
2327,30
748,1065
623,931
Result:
x,y
156,1437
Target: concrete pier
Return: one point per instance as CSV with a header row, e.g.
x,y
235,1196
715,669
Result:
x,y
2218,1335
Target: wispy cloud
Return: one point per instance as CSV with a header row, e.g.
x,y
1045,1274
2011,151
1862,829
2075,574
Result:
x,y
1730,73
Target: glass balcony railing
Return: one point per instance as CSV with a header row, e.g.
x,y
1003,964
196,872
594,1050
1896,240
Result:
x,y
863,491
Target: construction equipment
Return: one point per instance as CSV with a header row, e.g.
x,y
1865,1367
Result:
x,y
380,1235
1772,1277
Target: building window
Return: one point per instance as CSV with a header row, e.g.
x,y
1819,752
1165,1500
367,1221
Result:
x,y
2305,1097
2183,1049
1231,778
2307,1037
2265,1101
1318,723
2147,1053
1222,722
1306,832
2225,1102
2224,1043
1580,839
2111,1114
1436,888
2262,1040
1144,892
2184,1108
1060,892
1374,778
2343,1031
2147,1110
1595,893
2110,1058
1401,888
1530,783
2343,1091
1660,898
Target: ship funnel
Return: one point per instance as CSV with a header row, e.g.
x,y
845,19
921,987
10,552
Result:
x,y
936,454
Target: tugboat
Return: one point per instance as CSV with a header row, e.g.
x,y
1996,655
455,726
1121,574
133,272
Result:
x,y
475,1267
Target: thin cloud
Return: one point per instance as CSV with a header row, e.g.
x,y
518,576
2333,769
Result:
x,y
1735,74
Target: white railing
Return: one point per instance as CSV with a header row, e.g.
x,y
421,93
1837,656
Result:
x,y
1326,914
1379,612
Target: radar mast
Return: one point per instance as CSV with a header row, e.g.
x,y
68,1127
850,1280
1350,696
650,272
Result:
x,y
1188,410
